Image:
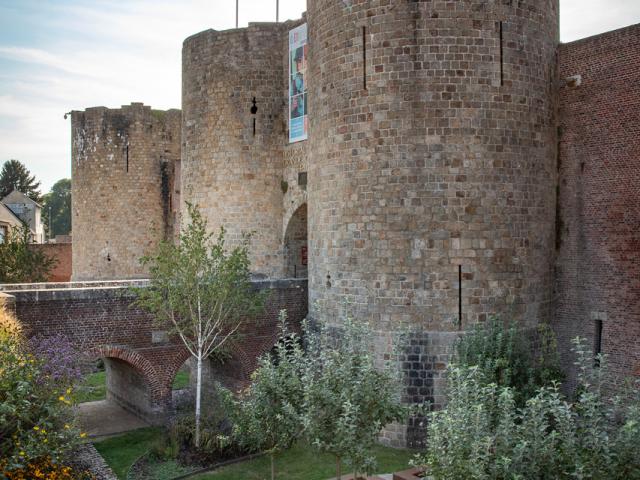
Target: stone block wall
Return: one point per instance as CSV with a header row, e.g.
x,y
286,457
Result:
x,y
432,145
232,172
122,180
597,278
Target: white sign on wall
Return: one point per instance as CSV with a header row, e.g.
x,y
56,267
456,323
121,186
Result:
x,y
298,119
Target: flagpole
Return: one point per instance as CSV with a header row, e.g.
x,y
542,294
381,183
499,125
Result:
x,y
237,13
277,11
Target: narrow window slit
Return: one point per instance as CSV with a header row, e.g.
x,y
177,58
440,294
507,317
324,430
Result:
x,y
459,297
127,156
501,54
597,341
364,57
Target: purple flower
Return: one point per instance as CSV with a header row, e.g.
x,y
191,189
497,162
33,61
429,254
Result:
x,y
60,361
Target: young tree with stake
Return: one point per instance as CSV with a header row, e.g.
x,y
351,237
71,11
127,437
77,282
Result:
x,y
202,290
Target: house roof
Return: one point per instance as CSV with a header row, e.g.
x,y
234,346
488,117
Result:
x,y
7,216
18,197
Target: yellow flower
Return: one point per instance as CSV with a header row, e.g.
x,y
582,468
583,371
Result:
x,y
66,426
36,428
83,434
61,398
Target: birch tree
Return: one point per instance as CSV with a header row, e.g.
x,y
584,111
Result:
x,y
201,291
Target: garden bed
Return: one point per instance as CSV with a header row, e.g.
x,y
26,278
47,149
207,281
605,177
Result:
x,y
301,462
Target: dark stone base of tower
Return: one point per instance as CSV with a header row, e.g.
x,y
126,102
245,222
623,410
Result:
x,y
460,163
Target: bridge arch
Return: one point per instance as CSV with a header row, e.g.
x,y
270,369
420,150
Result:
x,y
133,382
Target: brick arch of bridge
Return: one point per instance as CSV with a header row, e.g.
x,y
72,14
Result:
x,y
158,366
100,318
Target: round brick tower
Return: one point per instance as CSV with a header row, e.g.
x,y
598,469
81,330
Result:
x,y
232,148
433,146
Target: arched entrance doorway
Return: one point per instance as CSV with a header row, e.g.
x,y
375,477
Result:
x,y
295,244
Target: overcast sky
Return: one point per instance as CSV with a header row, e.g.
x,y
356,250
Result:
x,y
62,55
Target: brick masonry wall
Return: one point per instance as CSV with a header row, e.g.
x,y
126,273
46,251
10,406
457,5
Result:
x,y
61,253
598,266
122,178
101,321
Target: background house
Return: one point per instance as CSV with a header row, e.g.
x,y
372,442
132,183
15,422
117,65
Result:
x,y
8,221
28,211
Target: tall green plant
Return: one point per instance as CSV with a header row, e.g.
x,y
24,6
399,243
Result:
x,y
507,356
482,434
202,291
36,417
268,415
15,176
348,399
19,263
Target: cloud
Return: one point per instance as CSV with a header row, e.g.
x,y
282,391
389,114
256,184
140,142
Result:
x,y
73,54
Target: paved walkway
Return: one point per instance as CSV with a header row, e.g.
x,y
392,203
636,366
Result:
x,y
102,418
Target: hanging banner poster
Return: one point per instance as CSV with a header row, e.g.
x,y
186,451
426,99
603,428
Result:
x,y
298,119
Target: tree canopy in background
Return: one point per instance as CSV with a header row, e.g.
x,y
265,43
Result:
x,y
15,176
58,202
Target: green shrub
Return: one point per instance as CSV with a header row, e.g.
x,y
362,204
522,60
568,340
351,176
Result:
x,y
507,356
483,434
268,415
348,399
36,420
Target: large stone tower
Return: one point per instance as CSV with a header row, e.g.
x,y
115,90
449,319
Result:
x,y
432,149
123,195
232,148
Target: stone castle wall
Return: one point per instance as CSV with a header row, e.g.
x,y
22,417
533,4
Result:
x,y
437,151
435,189
231,172
432,146
597,277
122,182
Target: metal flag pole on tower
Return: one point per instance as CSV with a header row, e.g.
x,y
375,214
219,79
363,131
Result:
x,y
237,13
277,11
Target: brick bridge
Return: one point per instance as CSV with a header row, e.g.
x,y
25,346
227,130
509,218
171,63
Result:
x,y
141,362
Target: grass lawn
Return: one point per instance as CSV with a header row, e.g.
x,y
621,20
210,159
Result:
x,y
94,386
120,452
303,462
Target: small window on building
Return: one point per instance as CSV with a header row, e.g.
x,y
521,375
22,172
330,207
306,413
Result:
x,y
3,233
597,341
302,180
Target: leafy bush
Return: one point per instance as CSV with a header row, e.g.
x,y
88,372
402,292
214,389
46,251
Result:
x,y
36,421
348,400
483,434
216,442
10,328
506,356
268,415
47,469
19,263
